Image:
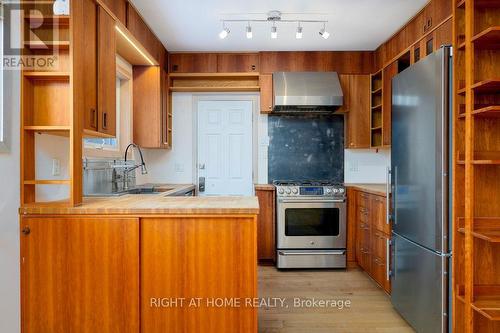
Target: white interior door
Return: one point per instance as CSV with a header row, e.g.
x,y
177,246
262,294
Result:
x,y
225,147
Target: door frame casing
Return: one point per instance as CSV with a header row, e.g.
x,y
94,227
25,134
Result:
x,y
252,97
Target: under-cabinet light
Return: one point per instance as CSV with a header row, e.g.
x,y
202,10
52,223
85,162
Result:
x,y
134,45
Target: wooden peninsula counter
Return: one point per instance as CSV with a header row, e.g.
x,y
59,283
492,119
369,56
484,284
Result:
x,y
140,263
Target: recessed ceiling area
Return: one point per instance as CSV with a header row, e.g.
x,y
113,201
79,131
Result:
x,y
194,25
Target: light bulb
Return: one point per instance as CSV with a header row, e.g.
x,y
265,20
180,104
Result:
x,y
249,32
223,34
325,34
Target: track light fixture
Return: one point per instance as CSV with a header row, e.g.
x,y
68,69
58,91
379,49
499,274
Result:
x,y
298,34
249,31
225,31
274,16
323,33
274,32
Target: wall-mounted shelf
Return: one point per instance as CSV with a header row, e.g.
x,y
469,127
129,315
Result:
x,y
47,182
213,82
64,76
48,20
47,45
487,39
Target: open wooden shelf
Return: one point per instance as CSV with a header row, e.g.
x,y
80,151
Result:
x,y
487,3
378,106
47,182
482,158
214,89
461,4
47,75
48,20
485,228
377,91
488,306
487,39
487,112
487,86
53,130
212,75
44,45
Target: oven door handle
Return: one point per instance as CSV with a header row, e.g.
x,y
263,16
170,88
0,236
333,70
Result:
x,y
308,253
308,201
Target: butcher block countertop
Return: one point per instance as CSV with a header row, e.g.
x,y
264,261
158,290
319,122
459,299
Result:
x,y
150,204
377,189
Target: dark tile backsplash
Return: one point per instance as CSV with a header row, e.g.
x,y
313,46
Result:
x,y
303,147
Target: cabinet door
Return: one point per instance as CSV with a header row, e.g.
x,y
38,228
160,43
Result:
x,y
380,243
193,62
74,274
147,103
233,62
363,248
266,246
345,83
351,224
106,64
378,214
358,119
118,8
389,72
443,34
166,126
89,62
142,33
266,93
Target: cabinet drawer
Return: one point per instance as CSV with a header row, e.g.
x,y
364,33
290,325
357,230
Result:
x,y
379,274
363,200
378,214
379,244
363,215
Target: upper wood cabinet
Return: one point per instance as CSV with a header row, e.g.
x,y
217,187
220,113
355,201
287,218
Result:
x,y
106,65
345,84
237,62
193,63
72,284
99,77
143,33
358,117
118,8
266,93
152,121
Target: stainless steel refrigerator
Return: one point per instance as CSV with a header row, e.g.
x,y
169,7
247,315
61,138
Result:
x,y
420,181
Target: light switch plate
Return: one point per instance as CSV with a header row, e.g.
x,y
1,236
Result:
x,y
56,167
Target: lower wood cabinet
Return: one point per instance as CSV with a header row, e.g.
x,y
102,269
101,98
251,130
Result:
x,y
198,257
367,213
266,223
79,274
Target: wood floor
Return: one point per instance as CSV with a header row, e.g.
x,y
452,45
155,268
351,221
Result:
x,y
370,310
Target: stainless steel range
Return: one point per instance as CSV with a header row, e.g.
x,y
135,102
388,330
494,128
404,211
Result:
x,y
311,224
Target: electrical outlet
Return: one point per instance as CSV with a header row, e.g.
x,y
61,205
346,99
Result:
x,y
56,167
179,167
353,167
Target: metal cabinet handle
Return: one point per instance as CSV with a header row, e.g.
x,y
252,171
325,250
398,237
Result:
x,y
26,230
387,256
387,192
104,120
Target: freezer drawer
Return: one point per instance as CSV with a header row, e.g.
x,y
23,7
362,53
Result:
x,y
420,285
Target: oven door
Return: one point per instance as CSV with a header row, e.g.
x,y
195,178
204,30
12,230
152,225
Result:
x,y
311,224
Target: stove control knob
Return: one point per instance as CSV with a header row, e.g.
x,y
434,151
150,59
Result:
x,y
335,190
341,190
328,191
288,191
281,191
295,191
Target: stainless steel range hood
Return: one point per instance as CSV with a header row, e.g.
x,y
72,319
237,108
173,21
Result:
x,y
307,92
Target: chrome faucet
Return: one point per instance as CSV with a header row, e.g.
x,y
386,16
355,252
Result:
x,y
144,171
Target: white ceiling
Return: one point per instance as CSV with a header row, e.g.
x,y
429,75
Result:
x,y
194,25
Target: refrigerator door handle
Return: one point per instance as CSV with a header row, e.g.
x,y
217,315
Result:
x,y
388,196
388,244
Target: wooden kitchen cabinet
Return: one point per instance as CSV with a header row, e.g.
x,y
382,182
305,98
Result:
x,y
237,62
358,117
372,234
79,274
266,223
152,118
99,78
266,93
388,73
118,8
192,62
141,31
198,256
106,73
